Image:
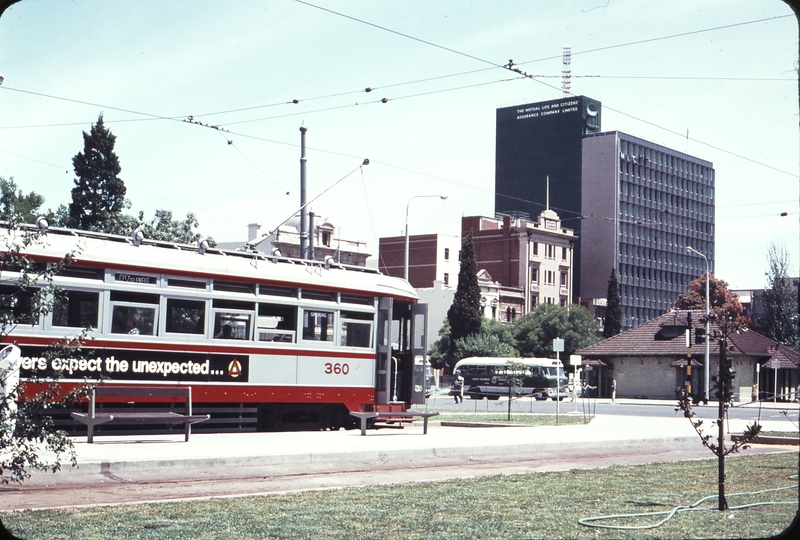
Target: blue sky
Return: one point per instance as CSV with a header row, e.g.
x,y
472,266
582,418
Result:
x,y
727,76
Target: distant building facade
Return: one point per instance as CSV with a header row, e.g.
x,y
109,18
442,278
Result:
x,y
285,241
532,257
633,205
431,257
663,201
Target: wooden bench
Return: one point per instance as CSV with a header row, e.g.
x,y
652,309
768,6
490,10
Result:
x,y
388,416
93,418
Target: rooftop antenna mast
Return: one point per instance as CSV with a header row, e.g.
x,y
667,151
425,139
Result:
x,y
566,72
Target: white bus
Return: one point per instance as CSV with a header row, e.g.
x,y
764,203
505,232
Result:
x,y
488,377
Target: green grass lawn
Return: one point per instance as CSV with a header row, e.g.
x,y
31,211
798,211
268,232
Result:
x,y
543,505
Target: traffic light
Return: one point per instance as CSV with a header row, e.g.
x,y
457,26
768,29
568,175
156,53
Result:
x,y
700,335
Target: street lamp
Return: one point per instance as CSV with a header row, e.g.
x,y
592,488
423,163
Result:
x,y
708,279
405,255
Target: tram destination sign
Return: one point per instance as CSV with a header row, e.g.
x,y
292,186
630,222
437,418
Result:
x,y
122,365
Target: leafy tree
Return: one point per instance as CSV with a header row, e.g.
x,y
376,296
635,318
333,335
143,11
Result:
x,y
779,320
465,314
535,331
494,339
99,192
437,354
163,227
612,324
27,430
516,374
723,302
483,344
15,205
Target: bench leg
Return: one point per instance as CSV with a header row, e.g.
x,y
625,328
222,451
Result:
x,y
363,426
90,427
425,425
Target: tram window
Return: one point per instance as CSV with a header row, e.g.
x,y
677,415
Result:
x,y
133,320
122,296
318,325
233,304
76,309
16,305
186,316
419,331
229,286
15,264
276,323
228,325
356,329
83,273
269,290
319,295
187,283
353,299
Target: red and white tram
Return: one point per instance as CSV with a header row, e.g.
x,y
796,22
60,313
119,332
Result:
x,y
295,344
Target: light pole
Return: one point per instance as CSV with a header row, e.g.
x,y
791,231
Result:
x,y
708,279
405,254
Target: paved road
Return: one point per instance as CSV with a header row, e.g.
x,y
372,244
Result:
x,y
151,468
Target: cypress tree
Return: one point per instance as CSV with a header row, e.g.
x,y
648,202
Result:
x,y
99,193
465,314
612,325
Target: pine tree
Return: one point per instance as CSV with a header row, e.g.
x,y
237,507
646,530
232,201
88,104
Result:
x,y
612,325
465,314
99,193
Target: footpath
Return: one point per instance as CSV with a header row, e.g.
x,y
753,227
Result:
x,y
219,460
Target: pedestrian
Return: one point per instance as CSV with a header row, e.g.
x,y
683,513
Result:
x,y
458,388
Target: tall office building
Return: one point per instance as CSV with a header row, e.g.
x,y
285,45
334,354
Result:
x,y
634,205
540,144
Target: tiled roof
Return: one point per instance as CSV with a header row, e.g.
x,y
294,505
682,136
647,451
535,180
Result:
x,y
664,336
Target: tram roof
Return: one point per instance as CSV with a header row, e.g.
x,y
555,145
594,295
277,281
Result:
x,y
100,250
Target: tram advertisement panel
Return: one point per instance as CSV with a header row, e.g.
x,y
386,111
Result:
x,y
126,365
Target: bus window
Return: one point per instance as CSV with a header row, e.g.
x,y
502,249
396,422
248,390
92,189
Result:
x,y
133,313
229,325
276,323
318,325
186,316
356,329
76,309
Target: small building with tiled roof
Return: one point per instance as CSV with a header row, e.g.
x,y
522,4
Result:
x,y
651,360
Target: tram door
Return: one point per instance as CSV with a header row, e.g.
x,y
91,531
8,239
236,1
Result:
x,y
400,355
383,360
419,348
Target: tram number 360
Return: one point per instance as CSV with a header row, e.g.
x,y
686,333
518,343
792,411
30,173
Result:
x,y
337,369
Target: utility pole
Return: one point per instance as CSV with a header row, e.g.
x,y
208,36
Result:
x,y
303,229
